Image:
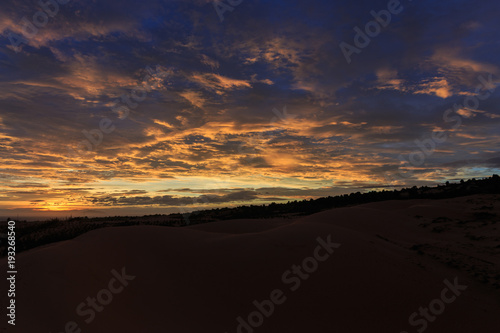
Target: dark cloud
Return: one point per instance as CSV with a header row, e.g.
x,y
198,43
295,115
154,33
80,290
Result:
x,y
168,200
216,100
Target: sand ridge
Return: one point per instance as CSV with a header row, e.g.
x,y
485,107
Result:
x,y
201,278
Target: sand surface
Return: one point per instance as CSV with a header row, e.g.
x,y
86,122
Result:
x,y
392,259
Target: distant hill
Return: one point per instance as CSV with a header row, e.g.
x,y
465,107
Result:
x,y
376,267
305,207
33,234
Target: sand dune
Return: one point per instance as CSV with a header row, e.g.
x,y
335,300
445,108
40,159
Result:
x,y
388,264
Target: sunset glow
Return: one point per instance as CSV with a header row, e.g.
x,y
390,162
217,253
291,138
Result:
x,y
138,108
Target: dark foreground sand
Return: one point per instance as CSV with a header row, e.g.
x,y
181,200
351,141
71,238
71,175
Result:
x,y
388,260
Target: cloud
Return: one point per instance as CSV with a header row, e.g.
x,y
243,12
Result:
x,y
210,121
450,59
437,86
194,98
168,200
219,83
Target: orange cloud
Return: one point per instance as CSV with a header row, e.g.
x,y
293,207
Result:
x,y
219,83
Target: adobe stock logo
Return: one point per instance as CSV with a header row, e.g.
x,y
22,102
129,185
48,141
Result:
x,y
422,318
122,108
103,298
221,7
29,29
427,146
292,277
372,29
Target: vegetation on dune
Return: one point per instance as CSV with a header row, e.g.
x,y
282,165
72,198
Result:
x,y
33,234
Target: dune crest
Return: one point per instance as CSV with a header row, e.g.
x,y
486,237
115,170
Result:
x,y
394,258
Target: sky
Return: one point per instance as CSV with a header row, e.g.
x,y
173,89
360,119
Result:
x,y
151,107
